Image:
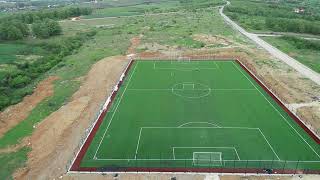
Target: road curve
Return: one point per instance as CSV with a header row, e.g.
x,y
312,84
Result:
x,y
304,70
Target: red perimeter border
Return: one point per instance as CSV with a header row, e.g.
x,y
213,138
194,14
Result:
x,y
76,164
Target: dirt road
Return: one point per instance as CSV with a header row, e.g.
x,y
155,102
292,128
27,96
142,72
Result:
x,y
304,70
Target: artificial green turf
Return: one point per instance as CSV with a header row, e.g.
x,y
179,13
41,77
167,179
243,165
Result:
x,y
197,106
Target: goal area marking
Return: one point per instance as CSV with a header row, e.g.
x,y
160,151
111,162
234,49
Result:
x,y
207,158
211,147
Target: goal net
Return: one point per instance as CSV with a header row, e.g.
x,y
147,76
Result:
x,y
207,159
181,60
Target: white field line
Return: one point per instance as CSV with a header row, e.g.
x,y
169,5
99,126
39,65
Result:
x,y
278,111
174,156
237,153
218,67
248,128
213,147
112,108
195,163
137,89
220,128
137,148
198,123
104,134
269,144
186,68
138,143
194,68
244,160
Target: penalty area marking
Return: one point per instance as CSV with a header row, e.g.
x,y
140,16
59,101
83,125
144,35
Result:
x,y
248,128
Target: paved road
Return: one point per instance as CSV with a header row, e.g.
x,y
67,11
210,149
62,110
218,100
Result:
x,y
304,70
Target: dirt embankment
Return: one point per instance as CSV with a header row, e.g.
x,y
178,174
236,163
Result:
x,y
56,138
11,116
134,44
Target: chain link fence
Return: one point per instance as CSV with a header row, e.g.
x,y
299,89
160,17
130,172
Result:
x,y
188,165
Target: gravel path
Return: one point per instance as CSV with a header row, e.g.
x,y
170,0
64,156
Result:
x,y
304,70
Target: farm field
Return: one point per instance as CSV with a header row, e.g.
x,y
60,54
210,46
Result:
x,y
194,115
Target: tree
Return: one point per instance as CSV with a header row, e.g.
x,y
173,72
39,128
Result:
x,y
19,81
46,28
4,101
53,27
13,33
40,30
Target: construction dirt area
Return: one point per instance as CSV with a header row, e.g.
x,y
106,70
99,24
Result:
x,y
56,139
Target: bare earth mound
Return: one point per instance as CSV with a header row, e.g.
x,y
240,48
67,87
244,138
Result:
x,y
11,116
56,138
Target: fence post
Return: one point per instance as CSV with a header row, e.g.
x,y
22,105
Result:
x,y
160,161
246,166
296,167
284,166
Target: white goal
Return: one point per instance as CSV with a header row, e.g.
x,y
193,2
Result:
x,y
207,159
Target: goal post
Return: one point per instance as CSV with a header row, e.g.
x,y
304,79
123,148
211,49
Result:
x,y
207,159
181,60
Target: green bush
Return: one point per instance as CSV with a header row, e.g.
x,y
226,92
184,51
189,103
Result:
x,y
16,83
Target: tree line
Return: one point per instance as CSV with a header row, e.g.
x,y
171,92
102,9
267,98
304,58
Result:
x,y
301,43
273,16
16,83
292,25
43,23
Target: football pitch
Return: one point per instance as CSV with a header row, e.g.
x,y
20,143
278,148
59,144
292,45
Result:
x,y
196,115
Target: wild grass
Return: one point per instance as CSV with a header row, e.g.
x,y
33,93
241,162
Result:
x,y
304,54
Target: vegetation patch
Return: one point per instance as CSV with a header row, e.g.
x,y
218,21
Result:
x,y
11,161
305,51
260,15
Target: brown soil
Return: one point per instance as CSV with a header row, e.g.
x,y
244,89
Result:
x,y
211,40
134,44
311,115
56,138
11,116
303,177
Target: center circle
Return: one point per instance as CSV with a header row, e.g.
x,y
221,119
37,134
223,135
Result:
x,y
191,90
